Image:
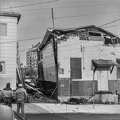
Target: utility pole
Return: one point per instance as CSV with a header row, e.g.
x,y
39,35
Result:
x,y
55,50
52,17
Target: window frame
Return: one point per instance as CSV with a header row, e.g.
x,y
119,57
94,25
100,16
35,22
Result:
x,y
3,67
3,32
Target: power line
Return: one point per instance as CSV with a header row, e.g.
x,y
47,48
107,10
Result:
x,y
29,39
82,15
25,50
111,26
21,40
69,16
36,19
30,4
65,7
110,22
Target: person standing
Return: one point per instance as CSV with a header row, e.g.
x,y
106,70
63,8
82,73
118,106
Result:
x,y
7,94
21,97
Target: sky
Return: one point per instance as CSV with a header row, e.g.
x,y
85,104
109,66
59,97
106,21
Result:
x,y
36,17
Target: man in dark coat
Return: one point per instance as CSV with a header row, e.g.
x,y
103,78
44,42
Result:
x,y
7,93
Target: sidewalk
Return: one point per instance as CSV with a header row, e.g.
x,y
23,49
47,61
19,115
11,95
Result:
x,y
67,108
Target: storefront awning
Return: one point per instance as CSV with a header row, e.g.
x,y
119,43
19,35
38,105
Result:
x,y
104,63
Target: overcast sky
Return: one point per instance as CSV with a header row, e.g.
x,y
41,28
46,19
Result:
x,y
36,17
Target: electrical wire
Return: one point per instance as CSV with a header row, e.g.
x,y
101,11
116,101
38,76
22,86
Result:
x,y
64,7
82,15
111,26
27,5
25,49
110,22
70,16
21,40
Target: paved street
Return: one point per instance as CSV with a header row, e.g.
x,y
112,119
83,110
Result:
x,y
36,108
53,111
72,116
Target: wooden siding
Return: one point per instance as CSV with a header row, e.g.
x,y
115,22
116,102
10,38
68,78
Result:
x,y
8,52
48,63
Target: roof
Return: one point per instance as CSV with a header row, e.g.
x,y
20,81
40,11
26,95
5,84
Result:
x,y
51,32
104,63
67,30
10,14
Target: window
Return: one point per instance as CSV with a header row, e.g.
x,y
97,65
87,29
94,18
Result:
x,y
3,29
94,34
82,35
2,67
118,69
76,69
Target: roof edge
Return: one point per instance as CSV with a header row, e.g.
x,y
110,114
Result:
x,y
11,14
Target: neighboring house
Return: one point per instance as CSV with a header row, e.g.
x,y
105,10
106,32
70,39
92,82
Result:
x,y
8,48
80,60
32,58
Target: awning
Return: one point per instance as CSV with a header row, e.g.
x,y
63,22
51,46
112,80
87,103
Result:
x,y
104,63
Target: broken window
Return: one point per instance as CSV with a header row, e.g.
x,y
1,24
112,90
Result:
x,y
112,41
94,34
107,41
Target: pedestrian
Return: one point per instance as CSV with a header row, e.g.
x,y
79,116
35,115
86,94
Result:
x,y
21,97
7,94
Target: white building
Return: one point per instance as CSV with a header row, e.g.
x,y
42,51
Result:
x,y
78,57
8,48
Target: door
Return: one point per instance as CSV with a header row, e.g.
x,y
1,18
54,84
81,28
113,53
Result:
x,y
102,79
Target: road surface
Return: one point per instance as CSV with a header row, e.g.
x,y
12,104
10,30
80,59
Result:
x,y
72,116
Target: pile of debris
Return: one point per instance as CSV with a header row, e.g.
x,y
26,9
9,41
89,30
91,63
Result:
x,y
43,91
40,98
